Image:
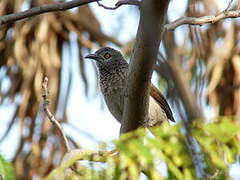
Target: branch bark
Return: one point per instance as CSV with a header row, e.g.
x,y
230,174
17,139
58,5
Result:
x,y
152,16
187,96
43,9
174,72
203,20
51,116
120,3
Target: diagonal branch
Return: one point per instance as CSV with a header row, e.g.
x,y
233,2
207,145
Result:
x,y
229,5
203,20
42,9
152,16
50,115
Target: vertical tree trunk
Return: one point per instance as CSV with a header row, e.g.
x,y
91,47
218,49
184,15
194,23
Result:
x,y
152,16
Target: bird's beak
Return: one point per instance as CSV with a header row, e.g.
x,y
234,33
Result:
x,y
92,56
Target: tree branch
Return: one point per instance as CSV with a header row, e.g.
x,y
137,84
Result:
x,y
229,5
152,15
75,155
120,3
50,115
187,96
203,20
43,9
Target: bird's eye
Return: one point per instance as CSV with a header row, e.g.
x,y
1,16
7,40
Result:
x,y
107,55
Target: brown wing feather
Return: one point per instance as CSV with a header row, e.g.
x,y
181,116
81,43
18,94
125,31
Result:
x,y
158,97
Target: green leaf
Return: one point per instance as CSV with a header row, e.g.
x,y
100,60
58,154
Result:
x,y
6,169
143,152
133,170
223,131
229,154
174,170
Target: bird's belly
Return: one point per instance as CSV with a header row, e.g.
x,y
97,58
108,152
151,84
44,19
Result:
x,y
114,100
156,113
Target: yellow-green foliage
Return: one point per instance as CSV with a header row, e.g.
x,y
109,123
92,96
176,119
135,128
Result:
x,y
6,170
140,152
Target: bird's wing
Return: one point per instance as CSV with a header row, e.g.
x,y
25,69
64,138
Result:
x,y
158,97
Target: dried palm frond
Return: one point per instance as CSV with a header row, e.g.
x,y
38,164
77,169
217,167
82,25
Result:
x,y
30,50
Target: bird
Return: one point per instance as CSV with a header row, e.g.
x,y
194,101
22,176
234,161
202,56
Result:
x,y
113,72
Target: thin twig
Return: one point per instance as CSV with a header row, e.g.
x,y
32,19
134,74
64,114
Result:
x,y
9,18
120,3
129,2
229,4
215,175
203,20
50,115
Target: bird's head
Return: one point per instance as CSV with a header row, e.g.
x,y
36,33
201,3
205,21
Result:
x,y
106,56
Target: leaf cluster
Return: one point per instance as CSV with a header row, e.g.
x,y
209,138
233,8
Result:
x,y
140,154
6,169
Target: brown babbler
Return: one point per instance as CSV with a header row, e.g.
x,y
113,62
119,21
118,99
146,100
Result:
x,y
113,71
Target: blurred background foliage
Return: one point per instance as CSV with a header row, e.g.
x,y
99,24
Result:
x,y
139,154
200,74
6,169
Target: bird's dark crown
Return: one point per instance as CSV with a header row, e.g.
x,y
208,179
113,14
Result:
x,y
107,53
108,59
106,49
